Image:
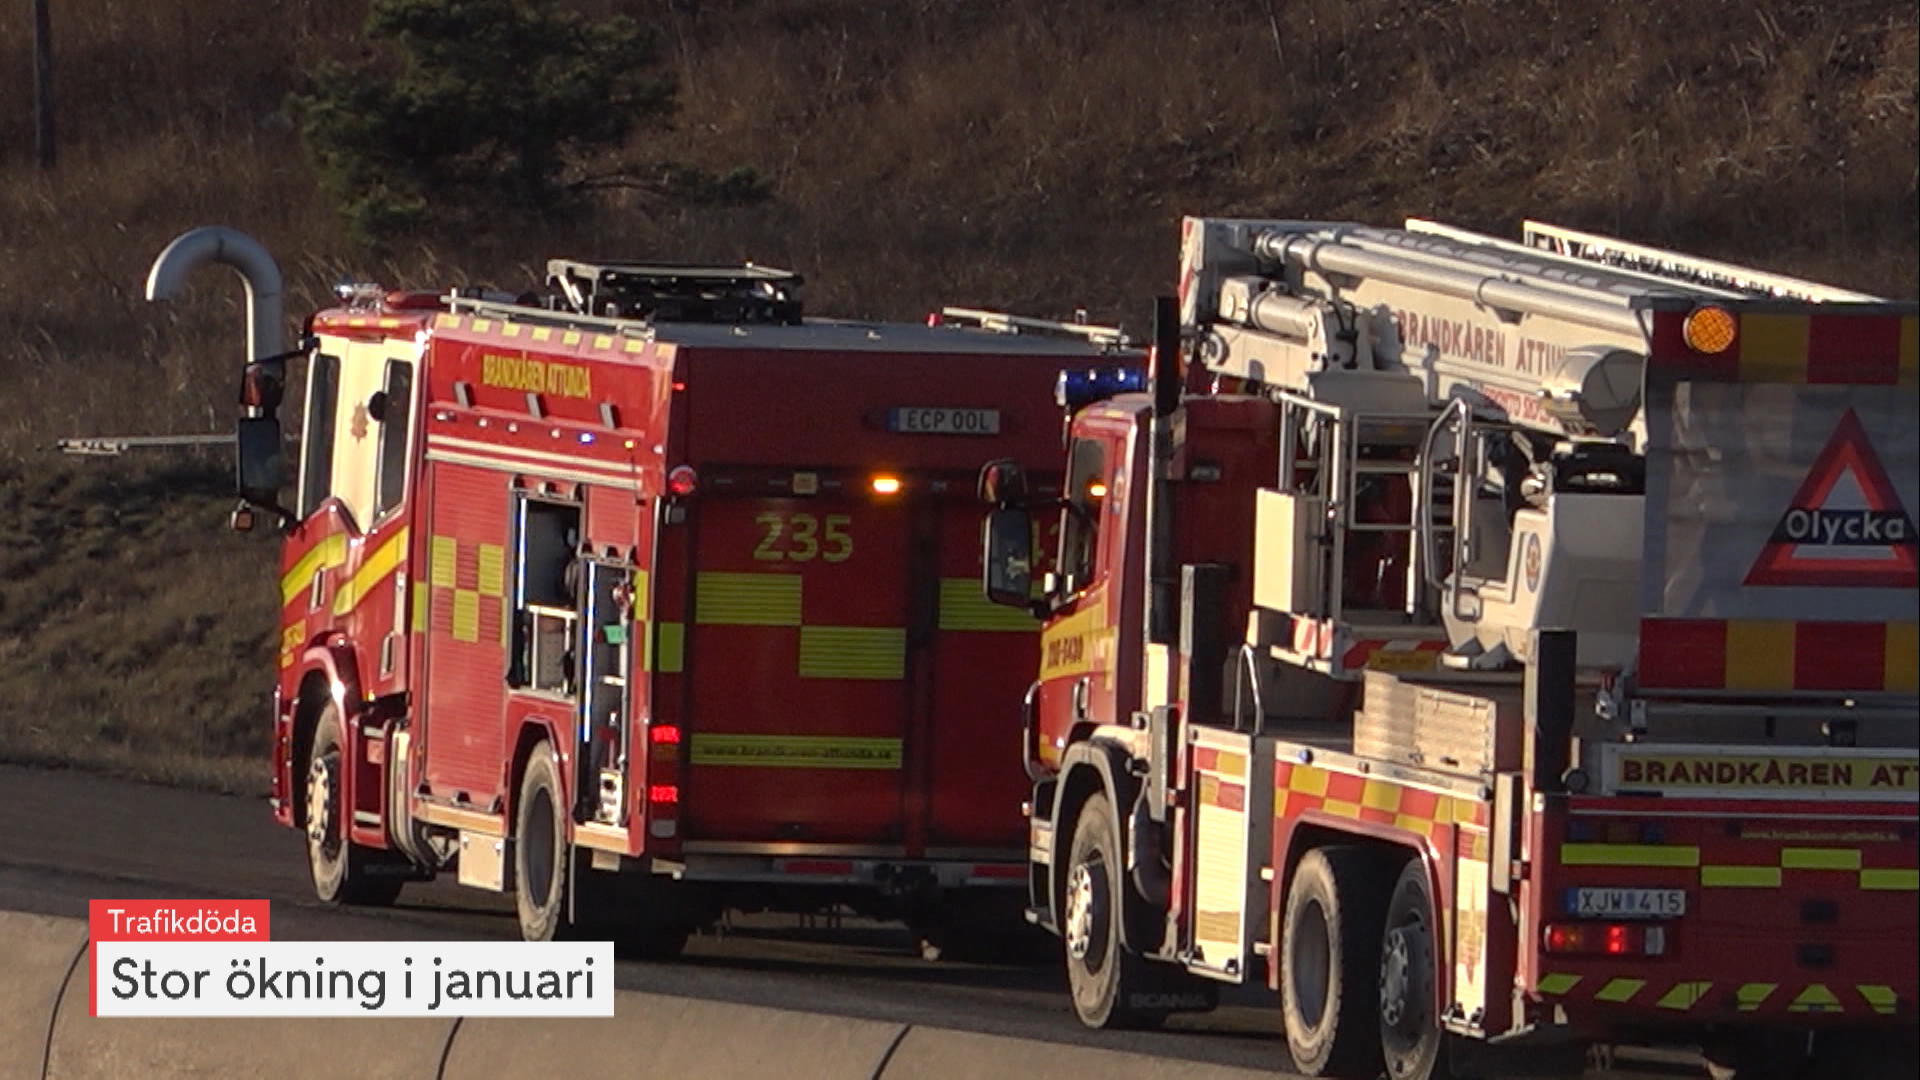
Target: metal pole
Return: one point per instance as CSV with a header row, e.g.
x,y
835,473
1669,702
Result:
x,y
43,83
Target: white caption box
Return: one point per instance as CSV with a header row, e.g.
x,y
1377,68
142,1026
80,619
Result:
x,y
352,978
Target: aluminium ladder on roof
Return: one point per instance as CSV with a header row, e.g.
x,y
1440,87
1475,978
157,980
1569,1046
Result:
x,y
1607,251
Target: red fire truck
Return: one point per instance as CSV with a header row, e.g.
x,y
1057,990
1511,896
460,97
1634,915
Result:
x,y
644,597
1484,643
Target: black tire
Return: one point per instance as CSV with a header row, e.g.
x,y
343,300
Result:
x,y
647,916
607,906
1330,963
342,872
1112,987
1411,1038
542,857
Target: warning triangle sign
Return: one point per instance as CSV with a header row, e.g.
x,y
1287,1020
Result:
x,y
1845,527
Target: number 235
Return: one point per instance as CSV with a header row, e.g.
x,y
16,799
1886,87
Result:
x,y
806,537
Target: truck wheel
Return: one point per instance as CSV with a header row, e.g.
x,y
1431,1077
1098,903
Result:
x,y
343,872
541,854
648,917
1410,1035
1112,988
1330,963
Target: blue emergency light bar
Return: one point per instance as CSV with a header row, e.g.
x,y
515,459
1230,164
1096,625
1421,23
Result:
x,y
1078,388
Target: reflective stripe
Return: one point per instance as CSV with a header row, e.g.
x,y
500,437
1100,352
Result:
x,y
1619,991
1685,995
1558,984
373,570
733,599
1795,858
331,551
853,652
493,570
1903,880
1882,998
1629,855
666,647
1815,998
1752,995
797,751
1741,877
963,607
466,615
446,555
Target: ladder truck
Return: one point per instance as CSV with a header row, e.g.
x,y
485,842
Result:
x,y
643,596
1489,645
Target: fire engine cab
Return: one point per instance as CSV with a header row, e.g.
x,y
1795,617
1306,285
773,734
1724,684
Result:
x,y
1482,643
642,596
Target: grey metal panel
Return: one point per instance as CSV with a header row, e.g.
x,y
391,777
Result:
x,y
1724,463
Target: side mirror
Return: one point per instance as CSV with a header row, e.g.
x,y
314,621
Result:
x,y
1007,562
1002,482
259,470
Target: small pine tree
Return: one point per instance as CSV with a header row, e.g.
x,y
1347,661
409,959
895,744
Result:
x,y
477,107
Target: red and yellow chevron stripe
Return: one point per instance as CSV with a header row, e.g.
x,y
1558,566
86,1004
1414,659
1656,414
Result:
x,y
1762,654
1704,995
1300,789
1818,348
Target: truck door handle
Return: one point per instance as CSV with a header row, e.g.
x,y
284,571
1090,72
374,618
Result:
x,y
1081,692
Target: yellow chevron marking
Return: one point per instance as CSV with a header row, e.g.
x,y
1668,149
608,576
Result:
x,y
1815,998
1620,991
1753,995
1558,984
1882,998
1684,995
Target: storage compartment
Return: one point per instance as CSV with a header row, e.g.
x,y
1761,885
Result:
x,y
1459,726
1286,552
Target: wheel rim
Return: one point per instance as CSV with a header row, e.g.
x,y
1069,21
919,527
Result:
x,y
322,825
1310,947
537,842
1087,914
1406,973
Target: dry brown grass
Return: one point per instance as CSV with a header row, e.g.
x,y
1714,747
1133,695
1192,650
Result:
x,y
1032,155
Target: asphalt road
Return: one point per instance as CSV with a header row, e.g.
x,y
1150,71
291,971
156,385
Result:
x,y
67,837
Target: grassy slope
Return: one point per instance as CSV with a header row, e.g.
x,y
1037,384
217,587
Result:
x,y
1035,156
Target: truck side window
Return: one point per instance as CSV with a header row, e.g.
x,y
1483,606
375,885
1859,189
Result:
x,y
393,437
317,424
1080,524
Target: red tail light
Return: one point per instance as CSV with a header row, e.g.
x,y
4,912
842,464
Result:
x,y
664,794
683,480
1606,939
666,734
